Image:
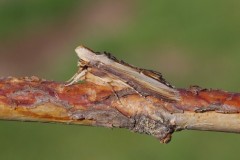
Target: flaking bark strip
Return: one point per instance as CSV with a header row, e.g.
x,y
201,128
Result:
x,y
107,118
206,100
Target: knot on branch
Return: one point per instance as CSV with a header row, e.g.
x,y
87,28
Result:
x,y
156,128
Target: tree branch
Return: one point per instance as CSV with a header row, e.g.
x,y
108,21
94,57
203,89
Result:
x,y
111,93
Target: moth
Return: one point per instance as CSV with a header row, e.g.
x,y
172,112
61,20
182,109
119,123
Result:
x,y
107,67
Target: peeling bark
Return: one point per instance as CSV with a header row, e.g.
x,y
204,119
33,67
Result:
x,y
111,93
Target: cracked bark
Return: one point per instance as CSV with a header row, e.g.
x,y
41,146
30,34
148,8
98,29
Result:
x,y
111,93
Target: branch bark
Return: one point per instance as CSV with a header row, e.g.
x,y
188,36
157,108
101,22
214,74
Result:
x,y
111,93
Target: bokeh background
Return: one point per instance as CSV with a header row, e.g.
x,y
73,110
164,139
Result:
x,y
190,42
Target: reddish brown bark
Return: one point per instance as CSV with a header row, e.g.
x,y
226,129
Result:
x,y
115,94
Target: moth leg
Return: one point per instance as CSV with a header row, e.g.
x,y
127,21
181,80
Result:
x,y
115,93
77,77
71,79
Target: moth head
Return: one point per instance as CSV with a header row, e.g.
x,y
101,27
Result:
x,y
88,56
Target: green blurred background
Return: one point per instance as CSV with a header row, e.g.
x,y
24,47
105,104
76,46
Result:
x,y
190,42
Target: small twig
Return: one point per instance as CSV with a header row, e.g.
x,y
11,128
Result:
x,y
111,93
